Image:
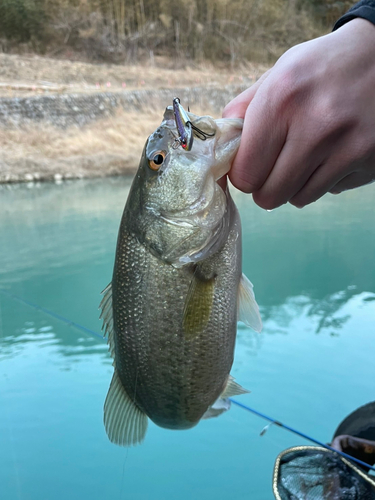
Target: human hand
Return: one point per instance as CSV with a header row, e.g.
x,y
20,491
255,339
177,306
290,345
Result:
x,y
309,122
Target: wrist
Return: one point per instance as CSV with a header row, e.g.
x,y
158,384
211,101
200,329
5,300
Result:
x,y
358,34
359,24
366,12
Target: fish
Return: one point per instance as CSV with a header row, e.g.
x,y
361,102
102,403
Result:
x,y
170,312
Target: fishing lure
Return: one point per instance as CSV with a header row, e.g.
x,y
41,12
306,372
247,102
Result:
x,y
186,129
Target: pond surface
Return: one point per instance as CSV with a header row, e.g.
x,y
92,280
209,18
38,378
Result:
x,y
314,277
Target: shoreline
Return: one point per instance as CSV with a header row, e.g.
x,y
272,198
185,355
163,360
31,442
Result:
x,y
26,170
77,136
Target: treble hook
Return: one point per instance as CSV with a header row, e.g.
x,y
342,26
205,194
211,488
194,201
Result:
x,y
200,133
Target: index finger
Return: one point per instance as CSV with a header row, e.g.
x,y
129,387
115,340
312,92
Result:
x,y
238,106
263,137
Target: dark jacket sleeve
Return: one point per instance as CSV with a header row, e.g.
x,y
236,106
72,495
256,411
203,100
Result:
x,y
364,9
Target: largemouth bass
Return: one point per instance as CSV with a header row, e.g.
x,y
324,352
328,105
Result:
x,y
177,290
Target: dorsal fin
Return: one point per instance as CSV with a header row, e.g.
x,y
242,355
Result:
x,y
107,316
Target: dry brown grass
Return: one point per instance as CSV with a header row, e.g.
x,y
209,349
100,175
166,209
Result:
x,y
124,134
135,30
68,76
111,146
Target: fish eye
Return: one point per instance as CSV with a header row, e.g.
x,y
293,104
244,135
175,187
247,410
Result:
x,y
157,160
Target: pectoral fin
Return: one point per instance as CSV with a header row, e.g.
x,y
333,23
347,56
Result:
x,y
124,422
198,306
248,310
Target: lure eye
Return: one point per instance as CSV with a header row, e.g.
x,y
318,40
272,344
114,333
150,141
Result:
x,y
157,160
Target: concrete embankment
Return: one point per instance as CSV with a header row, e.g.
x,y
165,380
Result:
x,y
74,113
81,109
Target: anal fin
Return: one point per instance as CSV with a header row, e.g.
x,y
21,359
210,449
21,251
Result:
x,y
222,404
233,389
124,422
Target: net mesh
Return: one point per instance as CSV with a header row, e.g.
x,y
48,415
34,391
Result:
x,y
312,473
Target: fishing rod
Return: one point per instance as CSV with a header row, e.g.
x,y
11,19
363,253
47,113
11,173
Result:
x,y
234,401
299,433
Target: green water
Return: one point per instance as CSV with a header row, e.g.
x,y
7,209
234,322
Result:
x,y
314,278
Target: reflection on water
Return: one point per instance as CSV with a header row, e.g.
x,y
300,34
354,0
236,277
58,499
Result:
x,y
325,315
18,332
301,262
313,274
47,338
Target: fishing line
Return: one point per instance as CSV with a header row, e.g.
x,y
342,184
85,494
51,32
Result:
x,y
51,313
5,411
123,472
241,405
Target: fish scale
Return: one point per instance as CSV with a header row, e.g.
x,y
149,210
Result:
x,y
154,337
172,308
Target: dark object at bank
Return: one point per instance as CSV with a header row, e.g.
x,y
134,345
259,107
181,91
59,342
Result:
x,y
356,434
318,474
315,473
360,423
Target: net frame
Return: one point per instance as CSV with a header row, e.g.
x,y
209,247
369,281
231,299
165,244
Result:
x,y
276,470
